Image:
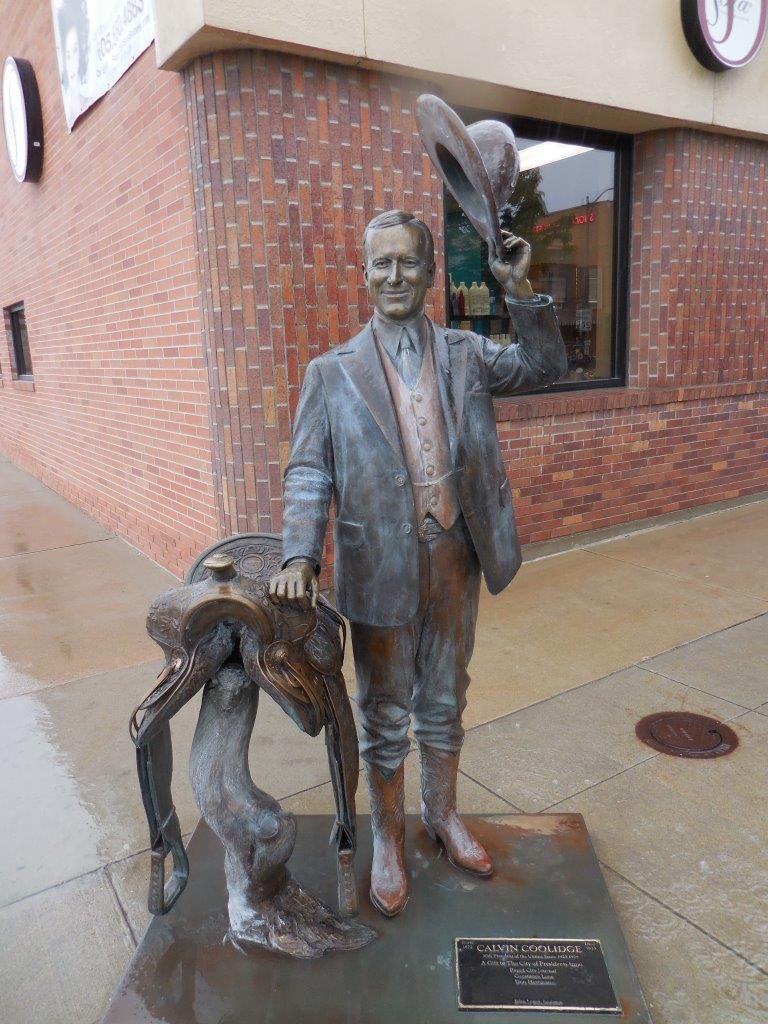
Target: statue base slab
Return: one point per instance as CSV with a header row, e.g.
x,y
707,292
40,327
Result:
x,y
544,920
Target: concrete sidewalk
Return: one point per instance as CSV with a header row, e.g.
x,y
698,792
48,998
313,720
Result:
x,y
567,660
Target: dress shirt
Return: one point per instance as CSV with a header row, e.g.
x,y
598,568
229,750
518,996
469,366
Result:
x,y
403,342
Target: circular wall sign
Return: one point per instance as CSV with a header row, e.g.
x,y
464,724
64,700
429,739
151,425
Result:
x,y
22,119
724,33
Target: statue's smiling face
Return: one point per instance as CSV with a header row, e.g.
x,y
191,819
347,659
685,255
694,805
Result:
x,y
398,271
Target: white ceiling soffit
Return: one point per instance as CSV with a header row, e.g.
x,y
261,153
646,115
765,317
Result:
x,y
548,153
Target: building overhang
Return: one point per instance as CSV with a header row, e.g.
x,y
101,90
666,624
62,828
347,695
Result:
x,y
622,66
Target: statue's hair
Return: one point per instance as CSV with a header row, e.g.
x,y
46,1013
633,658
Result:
x,y
393,219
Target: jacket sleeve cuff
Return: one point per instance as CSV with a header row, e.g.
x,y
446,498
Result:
x,y
535,302
301,558
535,324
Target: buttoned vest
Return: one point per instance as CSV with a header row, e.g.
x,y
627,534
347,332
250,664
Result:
x,y
424,437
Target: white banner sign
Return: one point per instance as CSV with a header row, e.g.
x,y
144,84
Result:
x,y
96,43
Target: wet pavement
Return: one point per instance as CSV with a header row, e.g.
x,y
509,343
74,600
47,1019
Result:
x,y
567,660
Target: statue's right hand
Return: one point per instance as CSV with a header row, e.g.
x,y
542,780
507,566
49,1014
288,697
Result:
x,y
295,585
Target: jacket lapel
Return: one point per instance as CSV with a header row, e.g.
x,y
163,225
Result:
x,y
452,372
363,366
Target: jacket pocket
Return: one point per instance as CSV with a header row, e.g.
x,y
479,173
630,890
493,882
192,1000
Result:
x,y
349,535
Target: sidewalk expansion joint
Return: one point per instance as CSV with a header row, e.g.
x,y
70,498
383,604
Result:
x,y
704,636
599,782
60,547
623,668
681,579
85,874
120,906
45,687
482,785
687,920
630,767
698,689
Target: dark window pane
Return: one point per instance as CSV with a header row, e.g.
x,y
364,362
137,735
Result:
x,y
20,341
563,205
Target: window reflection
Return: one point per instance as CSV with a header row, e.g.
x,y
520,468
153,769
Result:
x,y
564,206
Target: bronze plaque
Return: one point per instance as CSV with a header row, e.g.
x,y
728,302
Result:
x,y
562,975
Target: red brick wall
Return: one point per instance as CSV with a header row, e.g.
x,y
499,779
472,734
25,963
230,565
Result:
x,y
291,158
580,471
691,428
103,253
699,303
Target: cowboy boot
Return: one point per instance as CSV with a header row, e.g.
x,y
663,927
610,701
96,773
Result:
x,y
389,880
438,812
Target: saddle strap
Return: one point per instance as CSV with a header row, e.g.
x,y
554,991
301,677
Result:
x,y
154,763
341,745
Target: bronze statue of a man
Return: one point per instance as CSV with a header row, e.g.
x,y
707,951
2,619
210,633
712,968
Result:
x,y
397,427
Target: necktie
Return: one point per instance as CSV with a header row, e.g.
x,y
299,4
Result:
x,y
409,362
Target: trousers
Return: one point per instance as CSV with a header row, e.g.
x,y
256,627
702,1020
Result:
x,y
418,670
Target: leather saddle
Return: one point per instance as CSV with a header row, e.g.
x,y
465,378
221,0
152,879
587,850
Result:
x,y
223,612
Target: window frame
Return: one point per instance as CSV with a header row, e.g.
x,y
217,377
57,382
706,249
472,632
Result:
x,y
18,363
622,146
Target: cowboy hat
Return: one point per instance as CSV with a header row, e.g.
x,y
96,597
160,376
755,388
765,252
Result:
x,y
479,163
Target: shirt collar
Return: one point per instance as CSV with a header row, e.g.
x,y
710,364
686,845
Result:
x,y
388,331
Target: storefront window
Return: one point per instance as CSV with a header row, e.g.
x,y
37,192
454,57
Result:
x,y
570,204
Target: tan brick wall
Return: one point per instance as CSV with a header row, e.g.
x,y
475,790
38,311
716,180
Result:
x,y
103,253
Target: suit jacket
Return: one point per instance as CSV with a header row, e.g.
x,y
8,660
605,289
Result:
x,y
346,446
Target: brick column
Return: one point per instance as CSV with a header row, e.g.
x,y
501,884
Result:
x,y
699,261
291,158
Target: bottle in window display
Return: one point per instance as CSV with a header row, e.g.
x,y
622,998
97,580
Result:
x,y
454,300
463,301
474,299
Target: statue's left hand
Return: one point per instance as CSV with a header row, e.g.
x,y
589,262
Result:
x,y
512,271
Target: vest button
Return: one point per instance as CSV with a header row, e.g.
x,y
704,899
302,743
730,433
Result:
x,y
406,528
416,397
422,421
430,470
427,446
433,500
400,480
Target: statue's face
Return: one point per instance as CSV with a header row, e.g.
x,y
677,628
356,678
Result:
x,y
397,270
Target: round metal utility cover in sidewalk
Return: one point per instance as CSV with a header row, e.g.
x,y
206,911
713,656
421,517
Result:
x,y
683,734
